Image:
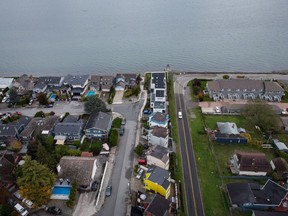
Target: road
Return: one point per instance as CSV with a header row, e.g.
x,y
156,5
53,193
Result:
x,y
194,203
116,204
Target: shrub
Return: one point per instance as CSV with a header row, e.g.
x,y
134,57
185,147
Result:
x,y
117,122
113,138
39,114
226,77
72,196
139,149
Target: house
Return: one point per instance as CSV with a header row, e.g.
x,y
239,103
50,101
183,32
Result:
x,y
159,206
245,89
157,179
51,81
95,83
80,169
40,87
106,83
158,156
8,163
120,82
280,166
252,196
77,84
158,91
280,145
26,136
5,83
249,163
98,125
158,119
228,132
13,129
71,127
45,125
24,84
158,136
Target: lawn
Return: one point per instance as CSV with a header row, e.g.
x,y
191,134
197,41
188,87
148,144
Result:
x,y
212,160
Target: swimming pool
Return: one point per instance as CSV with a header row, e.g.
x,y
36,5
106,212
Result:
x,y
52,97
61,192
90,93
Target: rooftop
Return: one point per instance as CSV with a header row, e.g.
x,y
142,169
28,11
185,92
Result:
x,y
159,176
159,206
158,78
161,153
99,120
160,132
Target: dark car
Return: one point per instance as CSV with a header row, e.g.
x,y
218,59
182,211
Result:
x,y
121,131
108,190
147,111
123,121
94,186
54,210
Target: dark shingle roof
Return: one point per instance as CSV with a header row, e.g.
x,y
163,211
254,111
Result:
x,y
159,176
70,128
160,152
158,79
160,132
99,120
50,80
281,165
159,206
269,213
40,85
253,162
75,79
240,193
159,93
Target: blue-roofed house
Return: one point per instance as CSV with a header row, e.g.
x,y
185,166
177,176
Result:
x,y
158,119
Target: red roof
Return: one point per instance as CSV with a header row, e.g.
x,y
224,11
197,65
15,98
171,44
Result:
x,y
86,154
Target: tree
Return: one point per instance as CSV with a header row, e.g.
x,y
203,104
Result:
x,y
95,148
15,145
113,138
45,158
95,104
259,113
40,114
138,79
14,97
226,77
36,182
42,98
139,149
6,210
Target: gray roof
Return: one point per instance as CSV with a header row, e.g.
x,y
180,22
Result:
x,y
50,80
235,84
158,79
77,168
23,120
160,117
11,128
159,105
240,193
159,176
95,79
26,81
227,128
46,123
160,132
75,79
29,129
72,119
69,128
159,93
159,206
40,85
161,153
99,120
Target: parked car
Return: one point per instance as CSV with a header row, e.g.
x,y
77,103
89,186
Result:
x,y
94,186
53,210
5,99
28,203
123,121
21,210
147,111
108,190
139,174
217,109
121,131
31,101
49,106
17,195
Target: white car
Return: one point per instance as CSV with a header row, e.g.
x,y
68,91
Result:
x,y
139,174
5,99
21,210
217,109
28,203
180,115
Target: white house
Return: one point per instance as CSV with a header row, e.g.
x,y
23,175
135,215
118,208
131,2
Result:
x,y
158,119
158,156
249,163
159,136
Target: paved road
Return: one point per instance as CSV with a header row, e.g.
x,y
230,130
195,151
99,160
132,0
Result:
x,y
194,203
116,204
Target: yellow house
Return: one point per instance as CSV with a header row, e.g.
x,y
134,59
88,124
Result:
x,y
157,179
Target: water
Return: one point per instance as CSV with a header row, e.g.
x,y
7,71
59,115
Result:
x,y
57,37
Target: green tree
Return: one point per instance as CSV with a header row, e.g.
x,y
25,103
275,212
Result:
x,y
226,77
113,138
36,182
95,104
258,112
40,114
14,97
117,122
42,98
44,157
139,149
6,210
95,148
